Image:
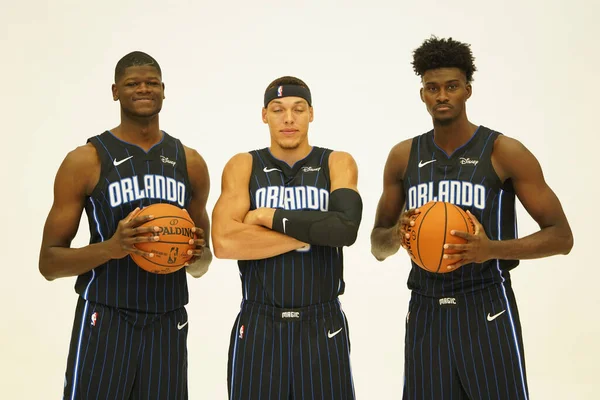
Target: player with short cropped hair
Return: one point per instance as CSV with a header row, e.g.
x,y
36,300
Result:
x,y
130,330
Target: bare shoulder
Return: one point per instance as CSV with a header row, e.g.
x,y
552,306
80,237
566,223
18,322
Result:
x,y
237,171
82,167
397,160
507,146
83,156
343,171
197,172
401,150
194,159
240,160
510,158
82,161
342,158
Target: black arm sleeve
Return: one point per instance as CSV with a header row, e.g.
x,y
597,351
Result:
x,y
336,227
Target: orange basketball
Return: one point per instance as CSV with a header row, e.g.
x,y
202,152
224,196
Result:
x,y
170,252
432,230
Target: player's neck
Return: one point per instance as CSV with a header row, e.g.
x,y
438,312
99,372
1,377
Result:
x,y
144,132
450,137
290,156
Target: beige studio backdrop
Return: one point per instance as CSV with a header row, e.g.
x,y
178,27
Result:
x,y
537,81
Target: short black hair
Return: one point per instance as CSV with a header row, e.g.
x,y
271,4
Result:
x,y
444,53
135,59
287,80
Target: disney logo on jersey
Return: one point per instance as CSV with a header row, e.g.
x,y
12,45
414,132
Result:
x,y
467,161
292,198
148,186
166,160
461,193
310,169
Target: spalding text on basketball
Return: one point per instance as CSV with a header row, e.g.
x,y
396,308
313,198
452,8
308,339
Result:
x,y
171,230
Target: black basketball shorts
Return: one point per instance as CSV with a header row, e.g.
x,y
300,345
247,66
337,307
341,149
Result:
x,y
122,354
465,347
287,354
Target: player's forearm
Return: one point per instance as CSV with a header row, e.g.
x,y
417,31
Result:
x,y
252,242
547,242
385,242
61,262
322,228
336,227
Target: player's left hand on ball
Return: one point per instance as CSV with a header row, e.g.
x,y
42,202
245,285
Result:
x,y
199,244
476,250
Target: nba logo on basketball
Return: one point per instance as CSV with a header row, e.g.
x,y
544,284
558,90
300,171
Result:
x,y
280,91
94,317
173,253
242,332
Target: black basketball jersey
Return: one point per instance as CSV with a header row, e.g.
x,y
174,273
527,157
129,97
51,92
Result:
x,y
302,277
465,178
131,177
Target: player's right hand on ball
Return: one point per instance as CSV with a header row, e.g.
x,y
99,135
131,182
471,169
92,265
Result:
x,y
129,232
407,219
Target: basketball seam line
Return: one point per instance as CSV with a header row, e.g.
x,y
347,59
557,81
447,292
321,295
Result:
x,y
418,233
444,241
165,242
170,216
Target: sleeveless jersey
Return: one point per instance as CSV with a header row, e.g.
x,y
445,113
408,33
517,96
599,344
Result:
x,y
130,178
302,277
467,179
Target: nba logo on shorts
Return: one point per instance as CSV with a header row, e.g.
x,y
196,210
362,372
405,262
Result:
x,y
242,332
94,317
280,91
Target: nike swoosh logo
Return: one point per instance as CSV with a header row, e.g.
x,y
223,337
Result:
x,y
284,221
330,335
116,163
493,317
271,169
180,326
422,164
